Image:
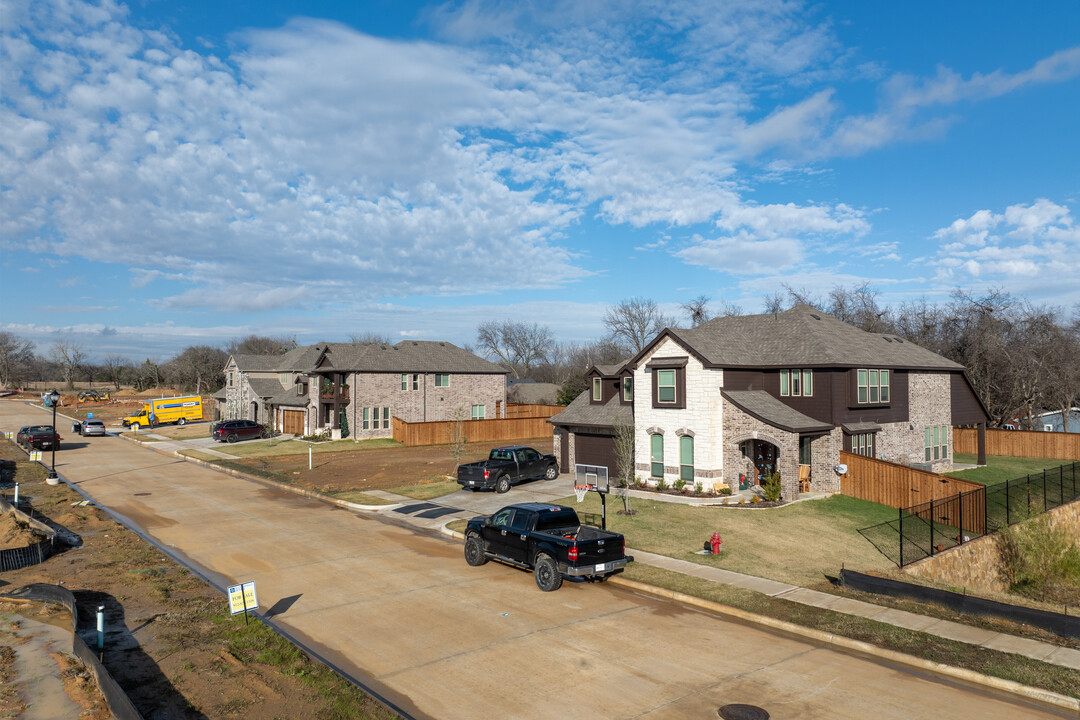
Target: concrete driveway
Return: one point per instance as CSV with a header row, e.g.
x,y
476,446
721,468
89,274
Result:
x,y
402,613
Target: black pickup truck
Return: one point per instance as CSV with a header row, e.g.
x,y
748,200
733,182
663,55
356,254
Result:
x,y
42,437
506,466
547,539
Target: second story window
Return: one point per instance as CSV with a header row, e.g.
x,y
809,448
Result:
x,y
442,379
873,386
597,390
628,389
410,381
797,383
665,386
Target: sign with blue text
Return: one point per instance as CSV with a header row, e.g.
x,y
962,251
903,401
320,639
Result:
x,y
242,598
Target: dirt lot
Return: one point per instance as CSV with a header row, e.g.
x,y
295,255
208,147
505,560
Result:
x,y
170,641
381,468
122,404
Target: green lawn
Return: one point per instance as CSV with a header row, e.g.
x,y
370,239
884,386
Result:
x,y
299,447
1001,468
801,543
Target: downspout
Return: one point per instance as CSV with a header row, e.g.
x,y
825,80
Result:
x,y
425,397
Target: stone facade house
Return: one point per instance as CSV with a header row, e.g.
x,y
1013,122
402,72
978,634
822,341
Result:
x,y
737,398
315,388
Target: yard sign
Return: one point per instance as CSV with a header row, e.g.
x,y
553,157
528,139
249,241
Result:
x,y
242,598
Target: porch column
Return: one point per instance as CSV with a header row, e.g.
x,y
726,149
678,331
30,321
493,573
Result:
x,y
982,443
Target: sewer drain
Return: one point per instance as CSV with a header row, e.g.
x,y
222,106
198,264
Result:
x,y
142,494
738,711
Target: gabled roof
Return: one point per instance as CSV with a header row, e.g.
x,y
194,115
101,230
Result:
x,y
411,356
800,337
271,391
583,412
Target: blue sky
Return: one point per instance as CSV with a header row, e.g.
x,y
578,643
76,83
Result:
x,y
178,173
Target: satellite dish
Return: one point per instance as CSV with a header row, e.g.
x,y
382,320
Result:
x,y
840,469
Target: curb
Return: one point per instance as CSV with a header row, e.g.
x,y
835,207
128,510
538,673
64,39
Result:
x,y
858,647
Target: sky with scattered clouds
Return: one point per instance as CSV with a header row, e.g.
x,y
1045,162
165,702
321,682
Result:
x,y
188,172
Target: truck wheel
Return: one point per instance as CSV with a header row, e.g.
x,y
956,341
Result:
x,y
474,551
546,572
181,421
232,437
552,472
502,484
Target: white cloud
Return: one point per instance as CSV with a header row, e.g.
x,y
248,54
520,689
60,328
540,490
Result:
x,y
743,254
1034,248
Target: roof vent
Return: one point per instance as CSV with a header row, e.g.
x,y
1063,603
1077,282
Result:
x,y
899,340
415,343
888,340
816,317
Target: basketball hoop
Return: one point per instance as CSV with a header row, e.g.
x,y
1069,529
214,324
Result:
x,y
580,491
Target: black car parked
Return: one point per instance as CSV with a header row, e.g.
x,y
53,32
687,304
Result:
x,y
233,430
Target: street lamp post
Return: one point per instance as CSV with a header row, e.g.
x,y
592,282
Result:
x,y
54,397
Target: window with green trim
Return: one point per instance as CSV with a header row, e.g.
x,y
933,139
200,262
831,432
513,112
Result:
x,y
873,386
686,458
656,447
665,386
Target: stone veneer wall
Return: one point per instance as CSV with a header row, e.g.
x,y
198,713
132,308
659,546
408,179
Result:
x,y
929,404
739,426
977,564
824,456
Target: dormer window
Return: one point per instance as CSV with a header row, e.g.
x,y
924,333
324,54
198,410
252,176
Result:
x,y
668,382
597,389
665,386
628,389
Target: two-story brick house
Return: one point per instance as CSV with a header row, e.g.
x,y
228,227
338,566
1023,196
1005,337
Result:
x,y
311,389
737,398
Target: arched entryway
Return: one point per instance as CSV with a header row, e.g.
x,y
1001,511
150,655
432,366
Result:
x,y
255,411
763,459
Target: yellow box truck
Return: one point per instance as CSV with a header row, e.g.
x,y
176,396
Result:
x,y
179,410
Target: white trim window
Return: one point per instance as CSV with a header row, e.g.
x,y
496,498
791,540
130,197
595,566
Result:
x,y
863,444
442,379
478,412
936,443
666,390
628,389
797,383
597,389
405,383
873,386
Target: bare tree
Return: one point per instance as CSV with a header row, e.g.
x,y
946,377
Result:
x,y
774,303
369,338
579,358
634,322
624,464
518,345
697,310
261,345
69,356
197,368
16,358
116,366
148,375
859,307
455,433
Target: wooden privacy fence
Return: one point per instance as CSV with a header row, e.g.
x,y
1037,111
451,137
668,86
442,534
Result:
x,y
1019,443
442,433
897,486
521,410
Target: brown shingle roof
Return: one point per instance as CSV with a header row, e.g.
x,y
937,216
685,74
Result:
x,y
583,412
768,409
407,356
802,337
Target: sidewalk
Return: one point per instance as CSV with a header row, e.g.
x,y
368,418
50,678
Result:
x,y
435,515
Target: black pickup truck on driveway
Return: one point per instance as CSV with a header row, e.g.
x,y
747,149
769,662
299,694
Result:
x,y
547,539
506,466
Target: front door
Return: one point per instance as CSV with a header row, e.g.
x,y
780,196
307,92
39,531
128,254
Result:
x,y
763,458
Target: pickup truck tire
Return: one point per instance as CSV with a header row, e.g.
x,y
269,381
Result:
x,y
474,551
552,472
502,484
546,572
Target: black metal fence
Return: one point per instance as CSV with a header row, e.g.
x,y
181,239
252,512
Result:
x,y
923,530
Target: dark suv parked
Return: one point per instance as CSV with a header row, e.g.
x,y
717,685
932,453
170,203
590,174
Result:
x,y
233,430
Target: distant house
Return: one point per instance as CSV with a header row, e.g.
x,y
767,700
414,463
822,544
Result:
x,y
737,398
1052,421
320,387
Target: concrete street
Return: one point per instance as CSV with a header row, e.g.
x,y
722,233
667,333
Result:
x,y
402,613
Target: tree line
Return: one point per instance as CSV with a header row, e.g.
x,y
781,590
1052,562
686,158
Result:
x,y
1021,357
